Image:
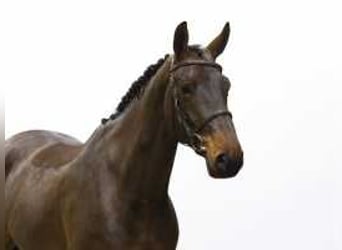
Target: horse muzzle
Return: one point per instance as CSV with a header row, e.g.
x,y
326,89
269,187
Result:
x,y
223,155
225,166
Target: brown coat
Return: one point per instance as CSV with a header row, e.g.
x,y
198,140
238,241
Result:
x,y
112,191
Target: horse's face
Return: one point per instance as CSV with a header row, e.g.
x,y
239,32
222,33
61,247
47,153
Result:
x,y
200,93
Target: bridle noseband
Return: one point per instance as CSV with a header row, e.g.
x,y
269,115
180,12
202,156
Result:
x,y
194,139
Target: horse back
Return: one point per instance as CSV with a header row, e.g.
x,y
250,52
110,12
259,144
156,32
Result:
x,y
49,145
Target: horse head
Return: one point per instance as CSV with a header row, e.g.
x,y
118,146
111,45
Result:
x,y
200,93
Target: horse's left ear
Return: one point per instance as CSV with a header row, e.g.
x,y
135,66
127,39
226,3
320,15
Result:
x,y
217,46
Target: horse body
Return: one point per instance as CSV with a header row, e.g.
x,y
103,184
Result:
x,y
112,191
65,195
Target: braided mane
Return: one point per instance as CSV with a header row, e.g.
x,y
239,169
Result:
x,y
136,89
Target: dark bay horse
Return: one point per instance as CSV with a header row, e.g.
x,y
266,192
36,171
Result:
x,y
112,191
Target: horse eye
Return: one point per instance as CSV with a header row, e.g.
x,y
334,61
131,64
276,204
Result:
x,y
187,89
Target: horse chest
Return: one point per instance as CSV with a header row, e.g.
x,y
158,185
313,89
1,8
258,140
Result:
x,y
129,226
143,226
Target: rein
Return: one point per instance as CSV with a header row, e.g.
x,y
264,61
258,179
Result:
x,y
195,140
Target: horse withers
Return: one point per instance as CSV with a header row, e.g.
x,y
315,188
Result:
x,y
112,191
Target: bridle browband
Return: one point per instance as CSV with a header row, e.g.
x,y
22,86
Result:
x,y
194,139
196,62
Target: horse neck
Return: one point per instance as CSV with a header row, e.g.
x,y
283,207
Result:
x,y
138,148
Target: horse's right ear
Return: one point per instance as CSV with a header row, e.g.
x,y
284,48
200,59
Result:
x,y
181,39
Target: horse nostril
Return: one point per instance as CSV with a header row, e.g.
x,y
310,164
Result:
x,y
227,166
223,161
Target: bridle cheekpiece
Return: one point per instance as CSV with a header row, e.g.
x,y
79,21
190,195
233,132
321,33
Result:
x,y
194,139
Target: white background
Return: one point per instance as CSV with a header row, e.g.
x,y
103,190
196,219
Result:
x,y
66,64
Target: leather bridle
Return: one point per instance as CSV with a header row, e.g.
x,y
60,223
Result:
x,y
194,139
196,62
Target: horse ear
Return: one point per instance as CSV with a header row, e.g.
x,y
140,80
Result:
x,y
181,39
217,46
